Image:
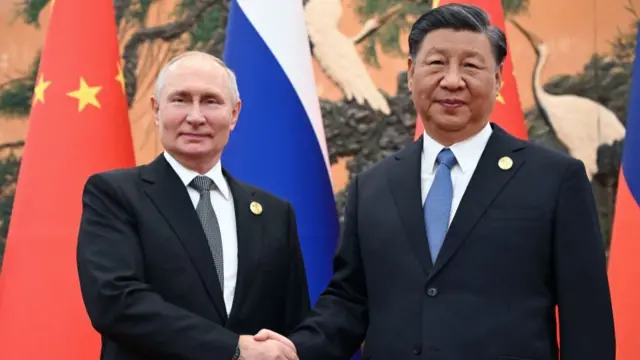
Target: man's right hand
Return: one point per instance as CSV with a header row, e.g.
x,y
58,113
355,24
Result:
x,y
266,334
251,349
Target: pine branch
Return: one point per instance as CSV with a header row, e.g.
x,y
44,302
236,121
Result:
x,y
15,97
30,11
12,82
11,145
120,7
372,25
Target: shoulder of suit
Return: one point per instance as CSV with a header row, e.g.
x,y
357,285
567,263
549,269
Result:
x,y
549,156
116,177
117,183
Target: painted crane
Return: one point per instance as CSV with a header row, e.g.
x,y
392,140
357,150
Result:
x,y
579,123
337,54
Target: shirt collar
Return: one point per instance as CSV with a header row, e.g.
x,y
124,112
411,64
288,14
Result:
x,y
467,152
187,175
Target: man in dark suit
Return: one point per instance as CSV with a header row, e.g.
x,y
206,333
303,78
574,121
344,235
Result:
x,y
177,259
460,246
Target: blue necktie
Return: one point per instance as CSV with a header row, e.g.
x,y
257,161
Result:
x,y
437,206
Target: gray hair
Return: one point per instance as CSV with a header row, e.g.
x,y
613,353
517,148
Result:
x,y
231,77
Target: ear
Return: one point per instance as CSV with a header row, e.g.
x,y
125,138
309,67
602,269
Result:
x,y
410,71
498,78
235,114
155,107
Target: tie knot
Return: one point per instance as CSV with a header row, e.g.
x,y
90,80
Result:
x,y
202,183
447,158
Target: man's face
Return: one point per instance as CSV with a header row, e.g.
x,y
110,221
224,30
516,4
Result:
x,y
195,111
454,81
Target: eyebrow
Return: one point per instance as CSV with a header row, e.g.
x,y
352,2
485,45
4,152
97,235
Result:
x,y
177,93
468,53
204,94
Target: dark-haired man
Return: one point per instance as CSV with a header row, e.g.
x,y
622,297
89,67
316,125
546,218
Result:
x,y
460,246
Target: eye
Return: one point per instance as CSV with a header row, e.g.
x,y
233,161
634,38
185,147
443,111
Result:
x,y
471,65
177,99
435,62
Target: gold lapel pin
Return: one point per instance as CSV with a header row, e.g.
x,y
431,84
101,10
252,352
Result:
x,y
505,163
256,208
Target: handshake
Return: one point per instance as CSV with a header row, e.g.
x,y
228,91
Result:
x,y
266,345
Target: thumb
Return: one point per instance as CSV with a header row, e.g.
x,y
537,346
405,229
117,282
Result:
x,y
262,335
265,334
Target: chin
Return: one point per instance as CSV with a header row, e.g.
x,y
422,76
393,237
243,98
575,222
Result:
x,y
195,151
450,123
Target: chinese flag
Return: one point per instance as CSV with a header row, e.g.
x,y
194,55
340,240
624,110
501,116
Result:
x,y
507,111
78,126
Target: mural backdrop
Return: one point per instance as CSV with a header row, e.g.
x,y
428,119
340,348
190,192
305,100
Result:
x,y
572,61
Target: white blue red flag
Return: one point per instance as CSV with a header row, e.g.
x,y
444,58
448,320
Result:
x,y
279,143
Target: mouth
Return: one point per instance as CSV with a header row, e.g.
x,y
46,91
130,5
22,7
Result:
x,y
451,103
195,135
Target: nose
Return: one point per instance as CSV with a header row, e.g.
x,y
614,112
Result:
x,y
195,116
452,80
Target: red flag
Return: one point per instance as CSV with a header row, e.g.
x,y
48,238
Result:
x,y
507,111
78,126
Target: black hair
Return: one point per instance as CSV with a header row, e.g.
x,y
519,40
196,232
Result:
x,y
459,17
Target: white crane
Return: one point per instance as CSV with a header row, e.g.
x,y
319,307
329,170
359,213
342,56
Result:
x,y
337,54
580,124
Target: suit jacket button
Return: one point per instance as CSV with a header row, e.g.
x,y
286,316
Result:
x,y
417,350
432,291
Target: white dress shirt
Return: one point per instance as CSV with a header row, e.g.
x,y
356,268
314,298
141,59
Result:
x,y
467,154
222,200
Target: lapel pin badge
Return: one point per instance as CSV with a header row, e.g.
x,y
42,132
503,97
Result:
x,y
256,208
505,163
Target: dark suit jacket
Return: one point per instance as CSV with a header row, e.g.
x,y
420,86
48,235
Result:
x,y
148,278
522,241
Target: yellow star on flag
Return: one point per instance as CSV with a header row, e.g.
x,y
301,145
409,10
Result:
x,y
435,3
120,78
38,92
86,95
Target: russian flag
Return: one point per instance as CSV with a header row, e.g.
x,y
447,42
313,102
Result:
x,y
624,268
279,143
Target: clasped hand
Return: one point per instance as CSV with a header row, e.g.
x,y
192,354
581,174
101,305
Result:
x,y
266,345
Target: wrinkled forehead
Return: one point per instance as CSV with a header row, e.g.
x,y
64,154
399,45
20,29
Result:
x,y
197,73
456,42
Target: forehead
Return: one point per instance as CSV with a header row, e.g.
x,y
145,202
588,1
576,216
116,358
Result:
x,y
454,42
196,72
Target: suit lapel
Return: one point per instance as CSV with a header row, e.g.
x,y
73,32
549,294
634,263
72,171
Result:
x,y
170,196
405,186
249,231
486,183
